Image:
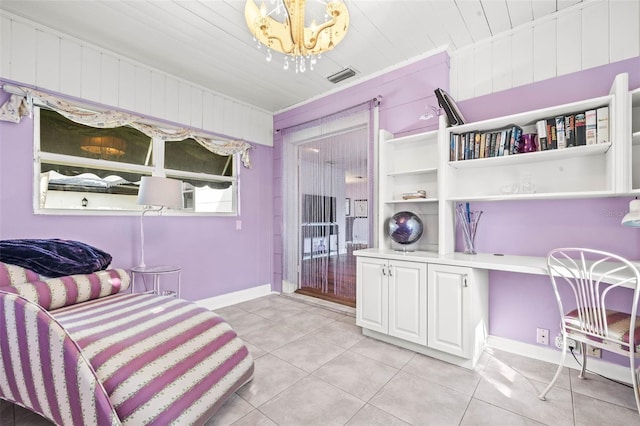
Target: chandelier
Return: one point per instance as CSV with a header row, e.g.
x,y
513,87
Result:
x,y
283,29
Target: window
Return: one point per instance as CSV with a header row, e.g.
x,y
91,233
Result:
x,y
87,169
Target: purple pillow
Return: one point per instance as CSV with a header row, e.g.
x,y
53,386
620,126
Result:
x,y
54,257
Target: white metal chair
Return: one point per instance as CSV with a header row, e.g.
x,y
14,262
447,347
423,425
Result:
x,y
584,282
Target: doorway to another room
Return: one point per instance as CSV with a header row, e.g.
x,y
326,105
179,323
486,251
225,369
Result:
x,y
328,213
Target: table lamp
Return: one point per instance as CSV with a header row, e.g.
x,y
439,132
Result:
x,y
160,192
632,218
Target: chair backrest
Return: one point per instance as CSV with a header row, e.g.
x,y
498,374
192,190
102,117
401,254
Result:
x,y
583,282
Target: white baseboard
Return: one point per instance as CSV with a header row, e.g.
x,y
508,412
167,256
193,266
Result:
x,y
552,355
228,299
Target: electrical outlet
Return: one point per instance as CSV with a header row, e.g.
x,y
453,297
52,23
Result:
x,y
542,336
572,344
594,352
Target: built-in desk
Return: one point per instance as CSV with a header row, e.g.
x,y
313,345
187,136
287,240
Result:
x,y
509,263
436,304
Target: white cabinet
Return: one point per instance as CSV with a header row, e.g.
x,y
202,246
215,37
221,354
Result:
x,y
372,295
457,310
391,298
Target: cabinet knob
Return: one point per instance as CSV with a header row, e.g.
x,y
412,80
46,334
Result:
x,y
390,270
384,271
465,280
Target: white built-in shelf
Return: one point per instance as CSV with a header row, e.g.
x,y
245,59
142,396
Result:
x,y
419,137
533,157
413,201
529,118
536,196
414,172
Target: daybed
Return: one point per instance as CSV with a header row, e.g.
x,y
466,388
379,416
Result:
x,y
79,350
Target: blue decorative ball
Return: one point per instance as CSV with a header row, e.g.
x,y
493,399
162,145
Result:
x,y
405,227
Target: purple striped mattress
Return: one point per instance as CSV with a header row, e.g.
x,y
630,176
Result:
x,y
131,359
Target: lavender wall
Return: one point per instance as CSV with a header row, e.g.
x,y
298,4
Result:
x,y
405,92
216,259
519,303
535,227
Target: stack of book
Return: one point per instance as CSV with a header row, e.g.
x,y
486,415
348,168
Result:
x,y
414,195
491,143
581,128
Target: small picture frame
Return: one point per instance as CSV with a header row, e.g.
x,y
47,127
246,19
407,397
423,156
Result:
x,y
360,208
347,206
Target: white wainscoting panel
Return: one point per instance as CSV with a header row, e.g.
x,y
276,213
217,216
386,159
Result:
x,y
578,37
47,60
38,56
70,67
90,74
625,32
109,81
23,52
127,86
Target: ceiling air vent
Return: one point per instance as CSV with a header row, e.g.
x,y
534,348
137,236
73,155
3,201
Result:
x,y
343,74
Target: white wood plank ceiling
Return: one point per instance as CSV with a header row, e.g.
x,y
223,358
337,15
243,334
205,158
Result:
x,y
207,42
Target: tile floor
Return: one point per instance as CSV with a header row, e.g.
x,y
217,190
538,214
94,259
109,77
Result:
x,y
314,367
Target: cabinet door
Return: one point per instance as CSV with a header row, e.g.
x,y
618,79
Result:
x,y
372,294
408,301
449,310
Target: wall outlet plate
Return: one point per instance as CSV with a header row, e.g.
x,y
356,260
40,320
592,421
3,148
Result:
x,y
570,343
542,336
594,352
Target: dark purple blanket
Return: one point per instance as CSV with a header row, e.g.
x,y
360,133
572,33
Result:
x,y
54,257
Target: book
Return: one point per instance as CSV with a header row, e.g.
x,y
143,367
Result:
x,y
507,142
452,147
580,129
602,126
541,128
492,151
552,140
591,126
561,141
460,147
516,133
476,146
503,142
467,150
483,145
514,144
450,108
569,130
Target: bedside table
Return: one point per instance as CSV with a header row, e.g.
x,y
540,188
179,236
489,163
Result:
x,y
156,272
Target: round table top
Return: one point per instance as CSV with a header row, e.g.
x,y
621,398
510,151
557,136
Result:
x,y
161,269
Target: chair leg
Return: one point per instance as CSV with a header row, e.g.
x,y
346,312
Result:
x,y
544,393
634,379
583,349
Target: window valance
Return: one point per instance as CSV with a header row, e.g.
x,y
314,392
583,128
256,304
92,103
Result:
x,y
18,106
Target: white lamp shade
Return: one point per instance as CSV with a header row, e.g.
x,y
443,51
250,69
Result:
x,y
160,191
633,217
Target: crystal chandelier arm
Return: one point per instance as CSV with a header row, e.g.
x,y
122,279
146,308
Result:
x,y
313,41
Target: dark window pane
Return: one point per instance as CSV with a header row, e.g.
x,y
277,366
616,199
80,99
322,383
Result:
x,y
189,156
59,135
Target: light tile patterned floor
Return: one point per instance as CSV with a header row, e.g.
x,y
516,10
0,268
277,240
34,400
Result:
x,y
314,367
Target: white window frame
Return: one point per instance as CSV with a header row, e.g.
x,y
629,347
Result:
x,y
156,169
